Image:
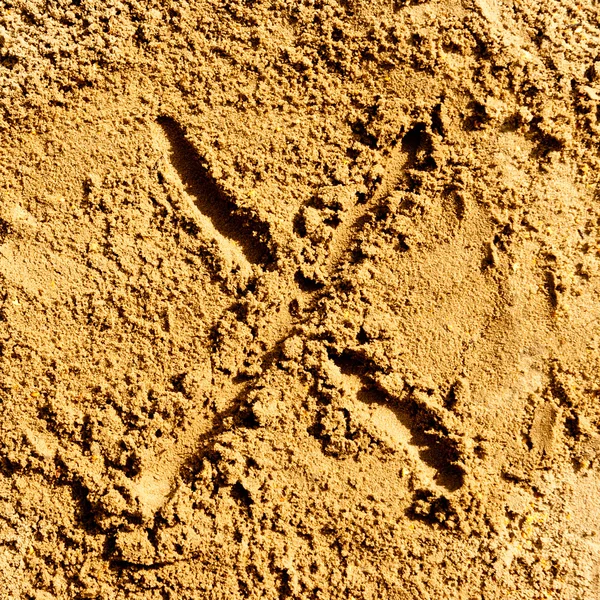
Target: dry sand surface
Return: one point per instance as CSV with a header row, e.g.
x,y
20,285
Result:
x,y
299,299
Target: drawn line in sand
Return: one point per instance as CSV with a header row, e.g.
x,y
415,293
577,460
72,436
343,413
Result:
x,y
224,217
403,156
405,422
156,482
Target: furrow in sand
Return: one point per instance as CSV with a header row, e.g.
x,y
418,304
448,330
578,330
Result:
x,y
158,475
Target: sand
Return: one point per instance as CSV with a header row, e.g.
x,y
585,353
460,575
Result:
x,y
299,300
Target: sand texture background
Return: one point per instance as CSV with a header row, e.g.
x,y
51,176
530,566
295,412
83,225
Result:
x,y
299,299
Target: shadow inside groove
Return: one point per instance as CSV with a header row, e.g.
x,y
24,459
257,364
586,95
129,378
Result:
x,y
435,449
249,233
